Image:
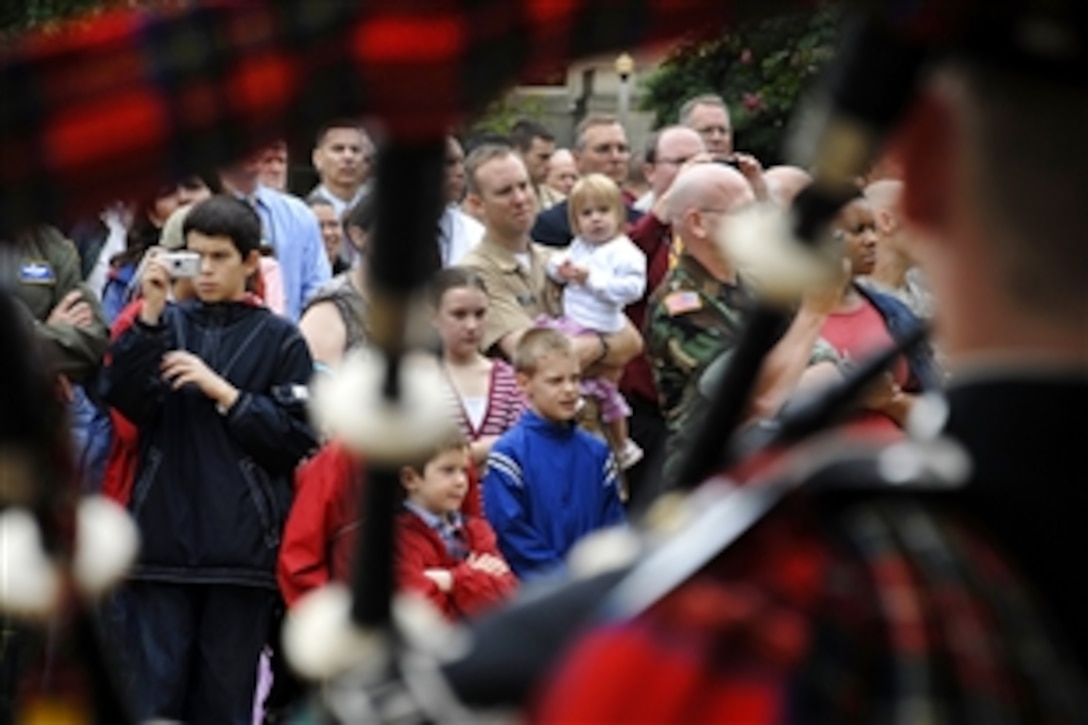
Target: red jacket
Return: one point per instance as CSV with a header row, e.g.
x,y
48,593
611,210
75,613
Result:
x,y
319,537
419,547
124,452
654,238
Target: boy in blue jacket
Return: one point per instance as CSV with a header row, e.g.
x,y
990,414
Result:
x,y
549,483
216,387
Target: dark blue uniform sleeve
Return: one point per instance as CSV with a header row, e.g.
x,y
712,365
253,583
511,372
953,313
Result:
x,y
552,228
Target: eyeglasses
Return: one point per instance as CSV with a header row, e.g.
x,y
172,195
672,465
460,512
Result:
x,y
715,211
604,148
707,130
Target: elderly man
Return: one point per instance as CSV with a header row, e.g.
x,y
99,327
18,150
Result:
x,y
785,182
708,115
697,313
896,271
600,147
512,266
562,172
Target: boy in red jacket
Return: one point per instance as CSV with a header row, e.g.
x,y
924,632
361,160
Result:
x,y
450,558
320,534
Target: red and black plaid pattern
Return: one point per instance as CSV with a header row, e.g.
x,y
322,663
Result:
x,y
115,106
891,614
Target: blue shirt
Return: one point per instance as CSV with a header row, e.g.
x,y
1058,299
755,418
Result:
x,y
547,486
291,229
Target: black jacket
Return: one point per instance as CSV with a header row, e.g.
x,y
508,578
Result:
x,y
212,491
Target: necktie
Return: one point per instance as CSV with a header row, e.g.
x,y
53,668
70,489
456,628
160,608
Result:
x,y
454,538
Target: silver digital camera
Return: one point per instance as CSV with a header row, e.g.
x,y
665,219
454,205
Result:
x,y
181,264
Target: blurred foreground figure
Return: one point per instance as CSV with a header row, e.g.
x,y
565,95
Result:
x,y
878,605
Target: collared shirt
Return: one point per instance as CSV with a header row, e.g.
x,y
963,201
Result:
x,y
339,205
517,295
458,233
547,197
450,528
291,229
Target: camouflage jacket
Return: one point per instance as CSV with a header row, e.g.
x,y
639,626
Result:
x,y
692,319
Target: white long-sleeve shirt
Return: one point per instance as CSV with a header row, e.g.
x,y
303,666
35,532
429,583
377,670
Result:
x,y
617,277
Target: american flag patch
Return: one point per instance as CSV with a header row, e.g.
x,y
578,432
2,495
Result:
x,y
677,303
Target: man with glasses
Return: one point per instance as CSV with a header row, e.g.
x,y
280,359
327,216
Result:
x,y
708,116
600,147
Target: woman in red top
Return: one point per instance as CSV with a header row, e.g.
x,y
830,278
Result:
x,y
865,321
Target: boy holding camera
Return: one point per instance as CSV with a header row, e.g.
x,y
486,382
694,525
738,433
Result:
x,y
216,387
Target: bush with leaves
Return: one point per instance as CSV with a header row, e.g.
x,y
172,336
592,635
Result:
x,y
761,69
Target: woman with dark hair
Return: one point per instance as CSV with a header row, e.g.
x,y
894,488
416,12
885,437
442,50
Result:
x,y
865,321
144,233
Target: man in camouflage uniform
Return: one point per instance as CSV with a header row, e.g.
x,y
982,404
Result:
x,y
702,305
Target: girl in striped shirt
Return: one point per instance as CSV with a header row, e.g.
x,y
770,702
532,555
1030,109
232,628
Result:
x,y
487,396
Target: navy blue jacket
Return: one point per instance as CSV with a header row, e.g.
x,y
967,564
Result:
x,y
212,491
924,372
552,226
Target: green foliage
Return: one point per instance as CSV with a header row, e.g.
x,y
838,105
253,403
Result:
x,y
501,115
17,16
761,70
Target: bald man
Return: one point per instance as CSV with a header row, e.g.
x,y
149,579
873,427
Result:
x,y
698,312
785,182
896,271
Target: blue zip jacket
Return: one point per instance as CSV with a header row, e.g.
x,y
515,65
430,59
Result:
x,y
547,486
212,490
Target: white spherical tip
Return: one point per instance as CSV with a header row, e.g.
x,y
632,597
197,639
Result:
x,y
603,551
349,405
107,541
760,243
29,581
319,637
426,630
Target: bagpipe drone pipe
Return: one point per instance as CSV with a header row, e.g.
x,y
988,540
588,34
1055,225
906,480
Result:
x,y
109,106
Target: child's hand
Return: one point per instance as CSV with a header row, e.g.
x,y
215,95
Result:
x,y
488,563
442,578
571,272
180,367
154,284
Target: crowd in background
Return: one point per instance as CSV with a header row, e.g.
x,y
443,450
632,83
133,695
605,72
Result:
x,y
583,309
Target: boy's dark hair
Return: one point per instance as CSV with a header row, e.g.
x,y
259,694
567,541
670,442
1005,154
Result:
x,y
537,343
225,216
453,278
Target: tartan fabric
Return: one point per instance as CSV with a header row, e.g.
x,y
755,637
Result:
x,y
111,108
889,614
